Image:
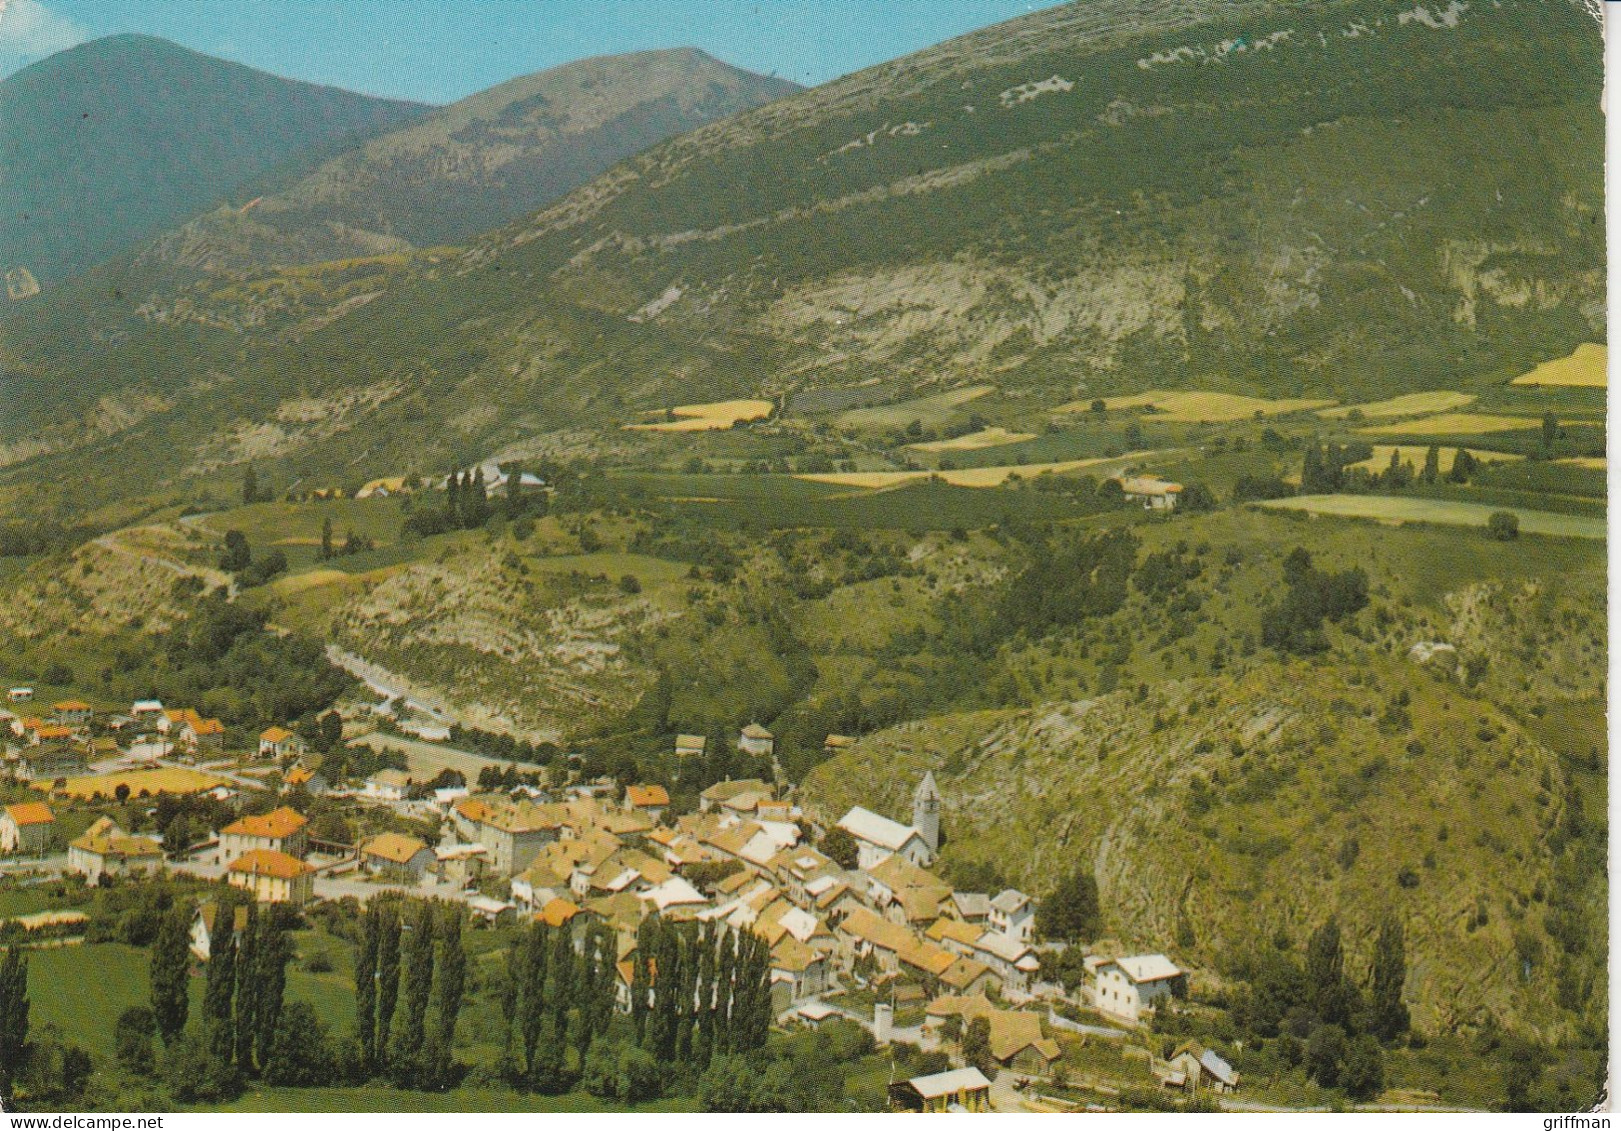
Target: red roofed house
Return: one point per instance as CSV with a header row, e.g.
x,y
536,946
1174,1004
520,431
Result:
x,y
282,830
273,877
280,743
28,828
650,799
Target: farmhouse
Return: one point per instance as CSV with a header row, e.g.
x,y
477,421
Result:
x,y
1150,492
756,740
146,711
28,828
690,745
281,830
280,743
960,1090
396,856
1128,987
878,838
20,694
1192,1066
273,877
106,850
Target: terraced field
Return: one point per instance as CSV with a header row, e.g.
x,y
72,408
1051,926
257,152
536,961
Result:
x,y
1415,454
984,438
965,477
928,411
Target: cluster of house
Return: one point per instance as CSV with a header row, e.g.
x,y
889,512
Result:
x,y
496,480
72,737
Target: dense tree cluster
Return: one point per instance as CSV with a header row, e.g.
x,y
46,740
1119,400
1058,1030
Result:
x,y
1322,1018
1311,596
1071,582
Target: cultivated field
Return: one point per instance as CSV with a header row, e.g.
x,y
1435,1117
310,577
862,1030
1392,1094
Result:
x,y
962,477
1415,453
1445,512
1454,424
712,417
985,438
1590,463
1409,404
141,783
1200,407
1583,369
930,410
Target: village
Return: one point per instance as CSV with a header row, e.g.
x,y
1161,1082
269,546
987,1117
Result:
x,y
857,925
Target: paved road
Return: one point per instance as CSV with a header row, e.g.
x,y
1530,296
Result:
x,y
391,685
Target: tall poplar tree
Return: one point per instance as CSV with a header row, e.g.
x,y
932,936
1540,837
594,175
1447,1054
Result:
x,y
388,978
170,960
1390,1015
406,1052
13,1016
273,954
532,995
221,988
366,987
449,989
246,1019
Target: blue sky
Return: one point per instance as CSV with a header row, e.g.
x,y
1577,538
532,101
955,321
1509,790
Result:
x,y
441,50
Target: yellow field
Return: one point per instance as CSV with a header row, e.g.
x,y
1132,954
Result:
x,y
986,438
715,416
1414,454
964,477
1410,404
1591,463
1584,369
1200,407
142,783
1455,424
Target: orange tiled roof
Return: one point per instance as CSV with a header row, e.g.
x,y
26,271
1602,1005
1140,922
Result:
x,y
396,848
274,825
640,795
207,726
30,813
557,912
268,862
70,705
276,734
54,731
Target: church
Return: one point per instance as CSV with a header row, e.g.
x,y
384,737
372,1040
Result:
x,y
878,838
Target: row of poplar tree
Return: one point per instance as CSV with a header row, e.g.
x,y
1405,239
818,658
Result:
x,y
697,991
244,1030
410,978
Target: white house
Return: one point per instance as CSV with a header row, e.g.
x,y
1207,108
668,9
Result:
x,y
878,838
1150,492
756,740
20,694
1128,987
280,743
1013,914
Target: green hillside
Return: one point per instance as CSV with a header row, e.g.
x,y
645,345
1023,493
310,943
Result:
x,y
1255,199
108,143
470,166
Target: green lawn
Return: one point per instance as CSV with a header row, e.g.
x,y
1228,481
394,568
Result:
x,y
83,989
